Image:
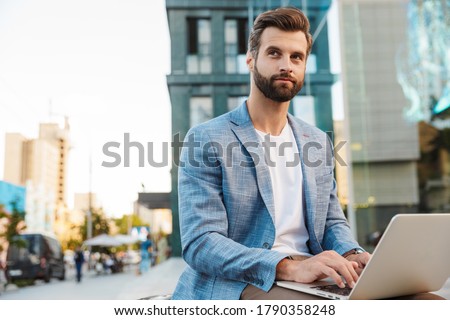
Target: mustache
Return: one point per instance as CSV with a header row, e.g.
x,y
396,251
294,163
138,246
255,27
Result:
x,y
284,76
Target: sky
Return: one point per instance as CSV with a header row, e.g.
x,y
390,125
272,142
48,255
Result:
x,y
102,63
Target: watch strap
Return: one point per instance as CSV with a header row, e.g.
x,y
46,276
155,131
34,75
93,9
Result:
x,y
353,251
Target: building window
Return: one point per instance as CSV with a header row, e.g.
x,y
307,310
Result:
x,y
304,109
235,45
199,46
311,64
234,102
201,110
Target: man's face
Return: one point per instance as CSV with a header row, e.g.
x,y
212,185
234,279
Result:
x,y
279,70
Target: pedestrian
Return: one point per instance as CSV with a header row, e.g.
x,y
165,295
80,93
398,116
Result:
x,y
146,252
79,261
162,248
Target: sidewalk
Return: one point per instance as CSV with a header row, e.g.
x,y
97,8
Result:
x,y
160,280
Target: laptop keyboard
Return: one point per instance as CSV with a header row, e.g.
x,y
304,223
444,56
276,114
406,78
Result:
x,y
333,288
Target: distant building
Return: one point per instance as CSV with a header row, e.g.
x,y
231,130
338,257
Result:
x,y
59,138
209,75
155,211
11,194
15,158
40,165
81,205
40,209
384,144
85,201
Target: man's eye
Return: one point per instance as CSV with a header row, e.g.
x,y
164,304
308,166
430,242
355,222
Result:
x,y
273,53
297,57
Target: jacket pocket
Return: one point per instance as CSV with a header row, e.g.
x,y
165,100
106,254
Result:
x,y
327,177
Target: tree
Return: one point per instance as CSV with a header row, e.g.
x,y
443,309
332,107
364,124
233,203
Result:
x,y
14,224
100,224
126,222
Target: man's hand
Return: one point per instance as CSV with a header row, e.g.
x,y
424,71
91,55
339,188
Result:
x,y
361,259
326,264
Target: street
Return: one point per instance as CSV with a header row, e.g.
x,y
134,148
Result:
x,y
159,280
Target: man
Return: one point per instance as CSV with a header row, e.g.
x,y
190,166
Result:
x,y
146,254
79,261
257,195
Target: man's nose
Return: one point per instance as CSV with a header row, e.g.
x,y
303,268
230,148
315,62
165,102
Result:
x,y
285,65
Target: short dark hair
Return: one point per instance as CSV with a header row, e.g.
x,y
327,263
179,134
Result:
x,y
286,19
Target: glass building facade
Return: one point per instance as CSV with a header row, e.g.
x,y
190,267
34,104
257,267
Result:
x,y
395,71
209,75
12,197
388,118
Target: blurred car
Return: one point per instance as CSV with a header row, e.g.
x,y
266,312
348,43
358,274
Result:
x,y
40,257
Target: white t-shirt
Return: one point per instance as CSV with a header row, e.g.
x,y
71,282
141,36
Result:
x,y
283,160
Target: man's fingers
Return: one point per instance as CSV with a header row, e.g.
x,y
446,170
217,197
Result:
x,y
347,269
354,273
330,264
347,272
364,259
331,273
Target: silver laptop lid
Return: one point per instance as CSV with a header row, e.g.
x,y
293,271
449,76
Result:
x,y
413,256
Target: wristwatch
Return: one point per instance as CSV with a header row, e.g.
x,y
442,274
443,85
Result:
x,y
353,251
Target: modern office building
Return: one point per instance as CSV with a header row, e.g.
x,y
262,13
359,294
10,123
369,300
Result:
x,y
40,165
85,201
42,160
14,165
59,138
12,196
154,209
382,105
209,75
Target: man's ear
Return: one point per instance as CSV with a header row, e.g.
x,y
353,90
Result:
x,y
250,61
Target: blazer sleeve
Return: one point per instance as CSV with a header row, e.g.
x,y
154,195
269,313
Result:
x,y
206,246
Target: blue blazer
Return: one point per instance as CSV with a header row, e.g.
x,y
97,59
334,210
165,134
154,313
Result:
x,y
226,206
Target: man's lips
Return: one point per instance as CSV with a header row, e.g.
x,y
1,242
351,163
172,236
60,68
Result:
x,y
285,79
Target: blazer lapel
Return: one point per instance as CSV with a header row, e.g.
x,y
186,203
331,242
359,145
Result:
x,y
247,135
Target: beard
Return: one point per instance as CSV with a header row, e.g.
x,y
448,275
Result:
x,y
272,91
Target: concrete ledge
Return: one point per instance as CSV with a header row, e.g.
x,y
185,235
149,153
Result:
x,y
160,297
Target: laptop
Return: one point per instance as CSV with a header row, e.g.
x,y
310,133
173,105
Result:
x,y
413,256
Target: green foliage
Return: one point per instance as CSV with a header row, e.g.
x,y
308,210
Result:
x,y
13,226
100,224
21,283
126,222
72,244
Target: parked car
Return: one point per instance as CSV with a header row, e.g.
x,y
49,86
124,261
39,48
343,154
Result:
x,y
41,257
